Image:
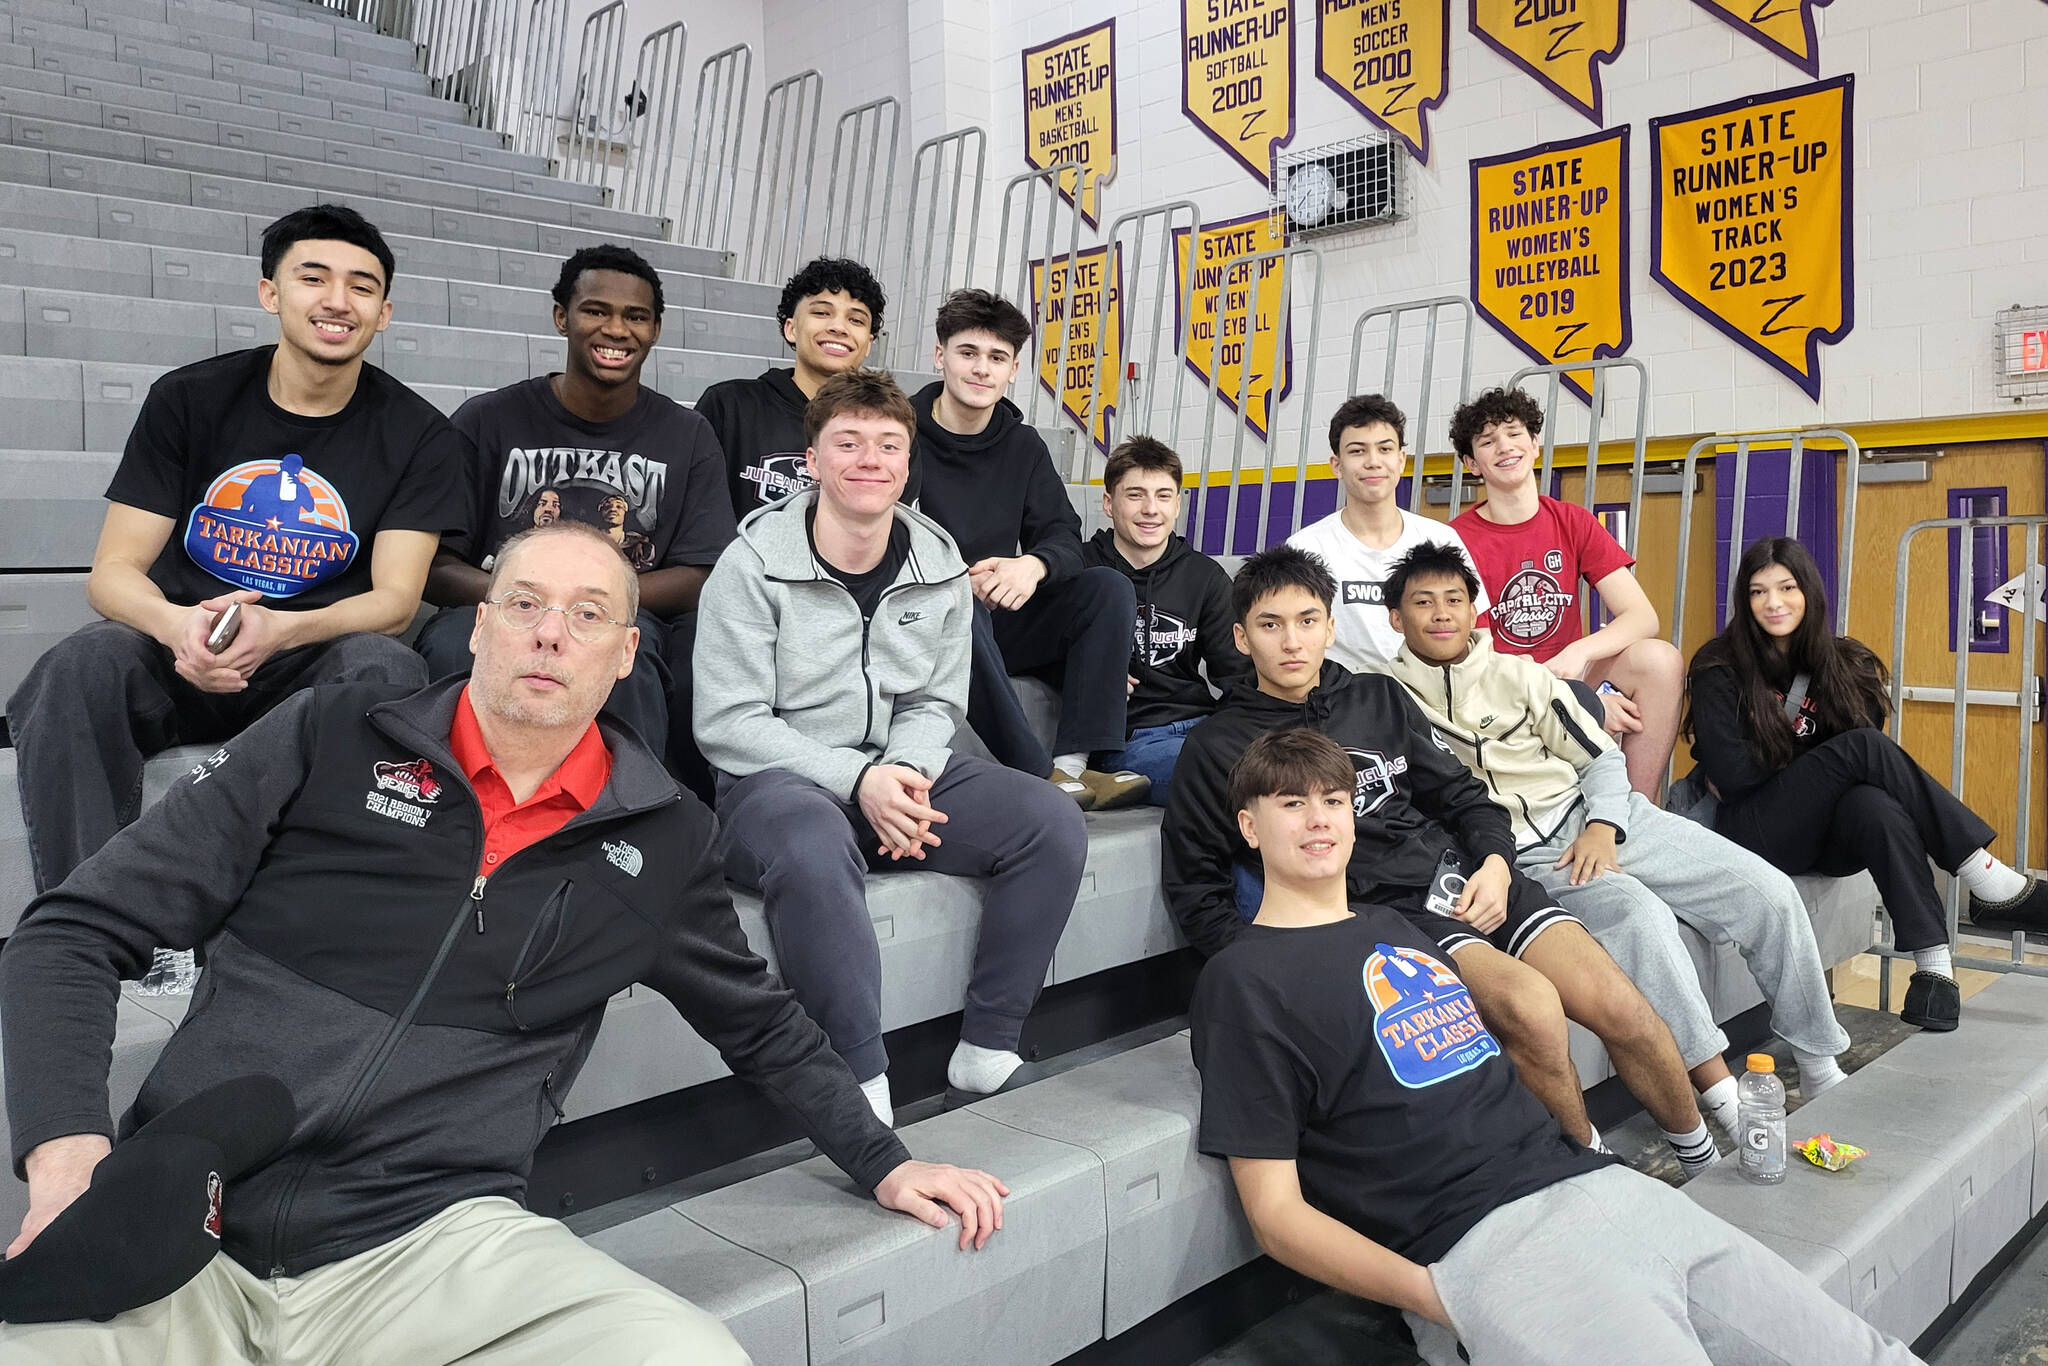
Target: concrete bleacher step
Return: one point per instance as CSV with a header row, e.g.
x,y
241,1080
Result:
x,y
166,47
297,28
51,508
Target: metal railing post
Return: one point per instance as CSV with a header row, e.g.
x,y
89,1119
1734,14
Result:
x,y
712,166
651,128
587,157
1418,416
861,235
926,276
547,39
1596,424
1130,300
780,208
1034,302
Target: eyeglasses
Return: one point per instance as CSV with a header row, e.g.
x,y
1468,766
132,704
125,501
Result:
x,y
585,621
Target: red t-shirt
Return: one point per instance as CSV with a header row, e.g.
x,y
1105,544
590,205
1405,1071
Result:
x,y
1533,569
510,826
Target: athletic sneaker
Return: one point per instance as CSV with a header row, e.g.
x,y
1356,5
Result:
x,y
1933,1002
1083,795
1114,790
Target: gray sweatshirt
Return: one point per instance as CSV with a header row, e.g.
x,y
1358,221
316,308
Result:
x,y
788,675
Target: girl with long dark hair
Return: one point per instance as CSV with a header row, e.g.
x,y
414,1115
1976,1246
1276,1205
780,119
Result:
x,y
1786,721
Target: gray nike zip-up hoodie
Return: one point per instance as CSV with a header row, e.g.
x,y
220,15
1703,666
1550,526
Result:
x,y
788,675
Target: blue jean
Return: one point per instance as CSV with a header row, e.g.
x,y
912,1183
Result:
x,y
1153,751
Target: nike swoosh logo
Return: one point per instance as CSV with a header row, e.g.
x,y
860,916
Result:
x,y
909,617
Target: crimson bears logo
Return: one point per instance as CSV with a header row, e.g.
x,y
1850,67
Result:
x,y
1375,785
778,476
213,1203
1160,636
271,526
1424,1020
1532,604
413,780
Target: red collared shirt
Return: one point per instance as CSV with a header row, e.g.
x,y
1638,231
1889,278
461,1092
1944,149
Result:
x,y
510,826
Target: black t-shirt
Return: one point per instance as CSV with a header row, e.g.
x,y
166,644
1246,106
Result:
x,y
1353,1050
653,478
867,588
279,503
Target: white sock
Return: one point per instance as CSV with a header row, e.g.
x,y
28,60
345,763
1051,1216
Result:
x,y
876,1089
1990,880
1073,765
1817,1072
974,1068
1937,959
1695,1150
1721,1103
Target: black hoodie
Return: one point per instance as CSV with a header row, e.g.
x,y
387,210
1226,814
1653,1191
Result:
x,y
1183,623
1413,798
760,426
996,492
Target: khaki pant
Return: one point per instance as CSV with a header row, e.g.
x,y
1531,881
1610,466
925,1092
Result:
x,y
483,1283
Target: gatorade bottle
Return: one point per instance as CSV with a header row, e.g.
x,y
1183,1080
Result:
x,y
1762,1122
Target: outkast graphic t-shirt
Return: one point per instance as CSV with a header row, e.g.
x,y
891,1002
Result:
x,y
270,501
1536,572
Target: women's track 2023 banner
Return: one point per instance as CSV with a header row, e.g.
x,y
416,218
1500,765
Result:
x,y
1562,43
1070,110
1391,59
1550,249
1237,76
1752,223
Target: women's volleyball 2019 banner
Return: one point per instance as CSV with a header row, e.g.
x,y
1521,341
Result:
x,y
1752,223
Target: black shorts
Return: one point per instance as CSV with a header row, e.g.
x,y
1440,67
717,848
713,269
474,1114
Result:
x,y
1531,911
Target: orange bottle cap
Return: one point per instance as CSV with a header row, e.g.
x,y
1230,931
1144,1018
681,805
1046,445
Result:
x,y
1762,1062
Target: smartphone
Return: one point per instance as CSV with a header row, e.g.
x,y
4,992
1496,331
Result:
x,y
1447,884
1606,688
225,628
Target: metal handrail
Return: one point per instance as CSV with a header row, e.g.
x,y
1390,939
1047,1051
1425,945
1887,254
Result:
x,y
775,241
711,167
935,262
1431,309
1175,337
1033,301
587,151
1597,406
651,135
547,39
864,237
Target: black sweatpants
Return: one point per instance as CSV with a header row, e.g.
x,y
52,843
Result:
x,y
106,697
1855,803
1077,636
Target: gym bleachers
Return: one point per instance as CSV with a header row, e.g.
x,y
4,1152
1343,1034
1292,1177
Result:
x,y
144,145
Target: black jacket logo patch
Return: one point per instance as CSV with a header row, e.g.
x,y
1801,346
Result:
x,y
413,780
1376,774
1160,636
778,476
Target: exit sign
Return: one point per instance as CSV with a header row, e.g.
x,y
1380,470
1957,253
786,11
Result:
x,y
2034,350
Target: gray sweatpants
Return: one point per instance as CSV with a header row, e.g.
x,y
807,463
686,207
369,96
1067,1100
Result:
x,y
1615,1268
808,853
1671,866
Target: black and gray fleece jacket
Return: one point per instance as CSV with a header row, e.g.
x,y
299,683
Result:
x,y
428,1021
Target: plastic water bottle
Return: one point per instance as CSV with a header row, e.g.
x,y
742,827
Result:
x,y
1762,1122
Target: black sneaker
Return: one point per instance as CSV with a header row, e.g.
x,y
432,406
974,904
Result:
x,y
2027,911
1933,1002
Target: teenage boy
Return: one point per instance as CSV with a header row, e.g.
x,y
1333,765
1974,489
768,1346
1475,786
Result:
x,y
832,676
1379,1143
420,1053
593,444
1369,448
830,314
292,483
1182,630
1429,843
1532,552
989,481
1626,869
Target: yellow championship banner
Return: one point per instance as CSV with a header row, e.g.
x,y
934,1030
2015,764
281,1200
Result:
x,y
1389,58
1079,323
1550,249
1562,43
1228,303
1751,228
1237,76
1784,26
1070,109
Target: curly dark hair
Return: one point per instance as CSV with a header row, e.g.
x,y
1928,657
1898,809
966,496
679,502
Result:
x,y
1363,410
1490,409
1277,567
606,256
834,275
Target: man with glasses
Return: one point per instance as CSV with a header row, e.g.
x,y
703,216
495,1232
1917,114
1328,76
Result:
x,y
417,907
832,675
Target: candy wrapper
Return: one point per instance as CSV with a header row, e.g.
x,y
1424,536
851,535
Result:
x,y
1823,1152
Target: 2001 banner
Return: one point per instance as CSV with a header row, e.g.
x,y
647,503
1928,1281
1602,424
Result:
x,y
1562,43
1550,249
1082,325
1237,76
1237,333
1787,29
1390,58
1751,231
1070,110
